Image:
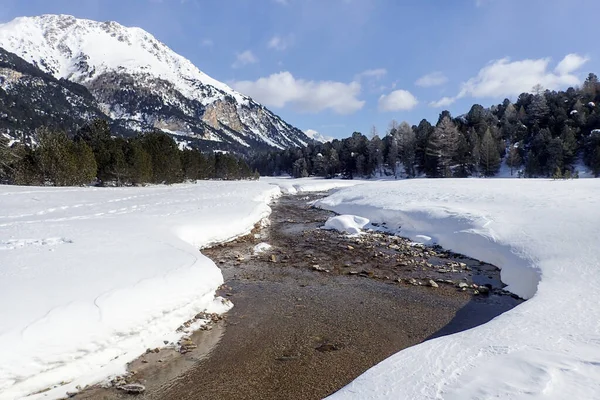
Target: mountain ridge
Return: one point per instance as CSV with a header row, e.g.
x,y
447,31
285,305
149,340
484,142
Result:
x,y
142,84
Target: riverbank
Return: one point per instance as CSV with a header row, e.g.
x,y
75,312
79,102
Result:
x,y
317,310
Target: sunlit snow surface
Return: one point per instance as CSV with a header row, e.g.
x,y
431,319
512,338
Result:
x,y
90,274
545,237
92,277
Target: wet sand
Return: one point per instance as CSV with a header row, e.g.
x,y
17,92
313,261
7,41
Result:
x,y
299,332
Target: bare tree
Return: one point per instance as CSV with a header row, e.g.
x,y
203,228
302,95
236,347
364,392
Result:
x,y
373,132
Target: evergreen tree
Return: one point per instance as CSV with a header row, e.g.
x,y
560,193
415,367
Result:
x,y
391,141
569,143
58,163
139,163
164,153
407,146
375,156
490,158
443,145
85,163
300,168
513,159
7,158
538,109
27,170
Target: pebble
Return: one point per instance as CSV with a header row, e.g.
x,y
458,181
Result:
x,y
133,388
433,284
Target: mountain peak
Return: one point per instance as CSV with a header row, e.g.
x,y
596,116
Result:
x,y
68,47
142,83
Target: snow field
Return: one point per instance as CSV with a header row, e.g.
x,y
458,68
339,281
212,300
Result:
x,y
92,277
544,236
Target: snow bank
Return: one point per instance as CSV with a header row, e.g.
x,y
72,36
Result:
x,y
302,185
544,235
90,278
350,224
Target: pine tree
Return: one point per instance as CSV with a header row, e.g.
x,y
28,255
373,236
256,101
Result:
x,y
392,151
407,145
139,163
538,109
557,174
164,153
300,169
569,143
443,145
375,156
86,167
490,158
7,158
513,159
58,163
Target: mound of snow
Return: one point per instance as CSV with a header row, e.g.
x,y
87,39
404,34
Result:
x,y
351,224
90,278
261,248
544,236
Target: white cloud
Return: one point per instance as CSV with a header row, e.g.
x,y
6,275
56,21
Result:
x,y
282,2
281,89
571,63
280,43
244,58
505,78
207,43
433,79
443,102
376,74
398,100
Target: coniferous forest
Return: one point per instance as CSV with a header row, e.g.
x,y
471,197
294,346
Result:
x,y
543,134
92,155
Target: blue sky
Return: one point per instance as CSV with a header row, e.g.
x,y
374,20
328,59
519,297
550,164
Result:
x,y
337,66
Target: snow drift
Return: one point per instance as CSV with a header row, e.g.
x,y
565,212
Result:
x,y
350,224
544,237
90,278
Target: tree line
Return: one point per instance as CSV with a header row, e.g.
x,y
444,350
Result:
x,y
93,156
543,134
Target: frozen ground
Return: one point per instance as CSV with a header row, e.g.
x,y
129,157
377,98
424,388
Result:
x,y
90,278
544,235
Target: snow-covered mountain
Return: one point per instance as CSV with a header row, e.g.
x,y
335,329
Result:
x,y
317,136
142,84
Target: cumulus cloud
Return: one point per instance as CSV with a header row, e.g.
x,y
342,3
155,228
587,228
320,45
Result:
x,y
433,79
398,100
244,58
443,102
571,63
505,78
281,89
